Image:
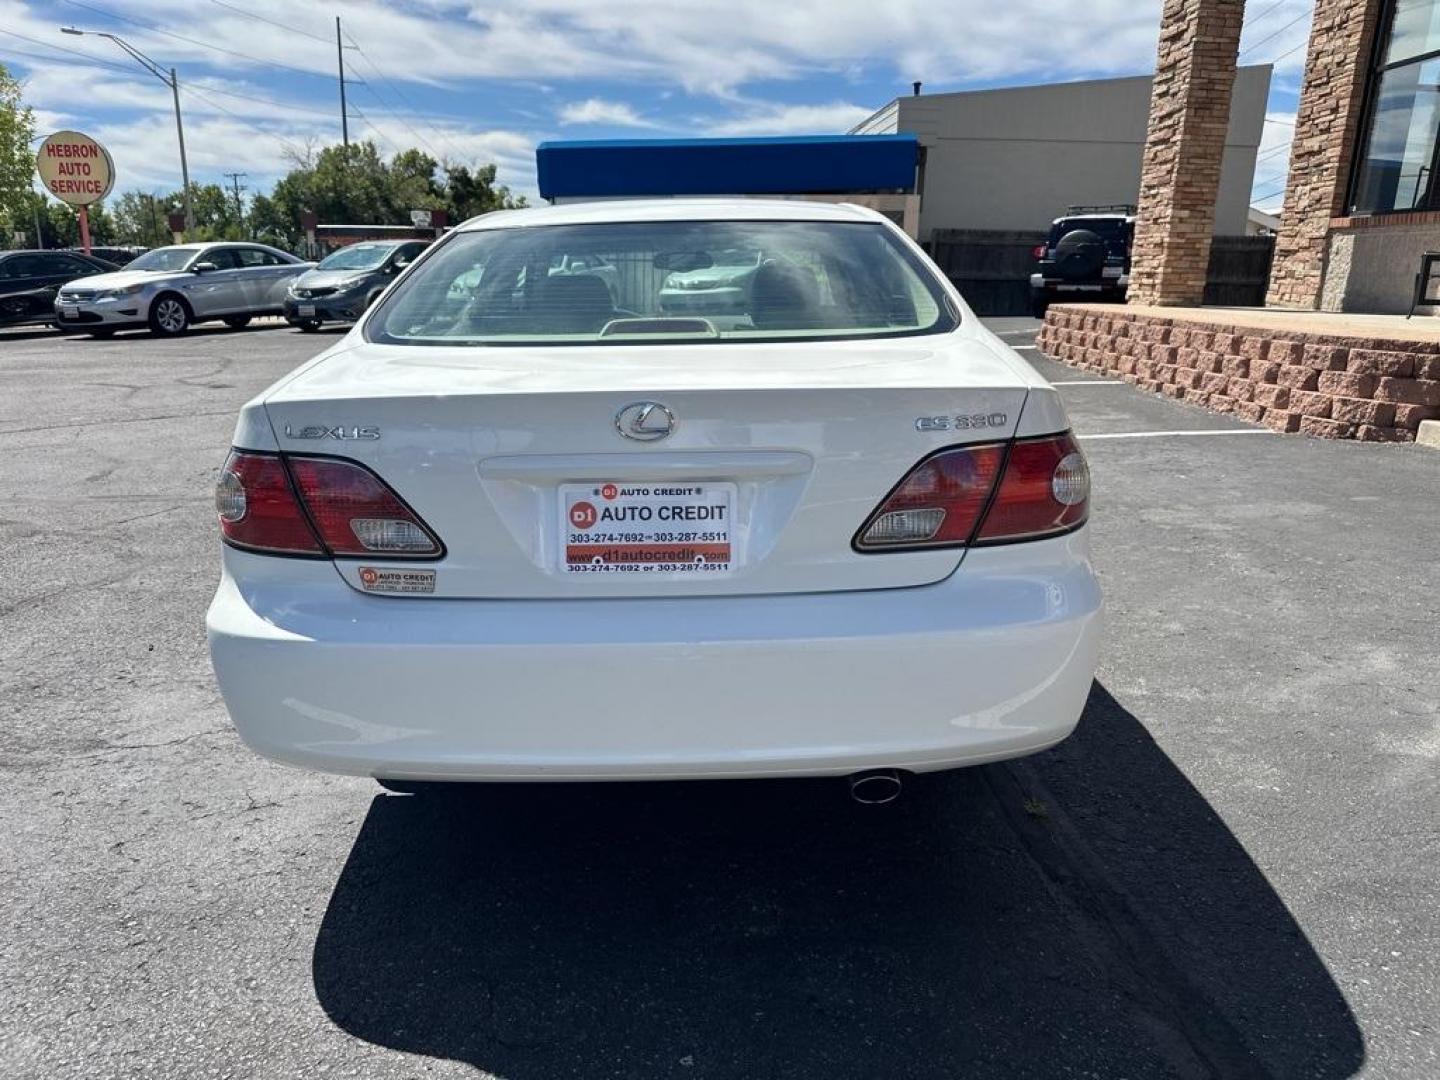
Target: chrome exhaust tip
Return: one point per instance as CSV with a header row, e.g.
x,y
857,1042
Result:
x,y
876,787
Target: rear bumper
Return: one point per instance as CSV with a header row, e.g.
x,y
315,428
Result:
x,y
994,662
1040,281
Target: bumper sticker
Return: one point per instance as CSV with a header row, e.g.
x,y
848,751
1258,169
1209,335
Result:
x,y
396,580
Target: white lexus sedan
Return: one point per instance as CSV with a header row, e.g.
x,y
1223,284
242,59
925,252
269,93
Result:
x,y
524,526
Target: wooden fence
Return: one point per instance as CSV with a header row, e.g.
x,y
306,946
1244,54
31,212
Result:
x,y
992,268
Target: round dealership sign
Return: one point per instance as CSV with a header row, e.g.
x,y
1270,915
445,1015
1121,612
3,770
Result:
x,y
75,168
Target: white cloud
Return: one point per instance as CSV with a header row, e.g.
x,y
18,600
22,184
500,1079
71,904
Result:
x,y
625,63
707,48
597,111
836,118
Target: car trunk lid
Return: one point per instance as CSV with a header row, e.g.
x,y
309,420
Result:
x,y
773,457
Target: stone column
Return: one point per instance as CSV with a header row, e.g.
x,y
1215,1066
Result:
x,y
1180,178
1327,128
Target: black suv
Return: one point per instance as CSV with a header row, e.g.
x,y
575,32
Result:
x,y
1087,257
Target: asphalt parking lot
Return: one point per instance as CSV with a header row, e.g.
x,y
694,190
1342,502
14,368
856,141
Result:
x,y
1229,871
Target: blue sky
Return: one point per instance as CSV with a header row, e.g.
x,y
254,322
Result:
x,y
486,83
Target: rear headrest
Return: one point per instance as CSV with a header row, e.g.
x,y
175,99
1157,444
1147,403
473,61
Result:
x,y
573,303
576,291
784,297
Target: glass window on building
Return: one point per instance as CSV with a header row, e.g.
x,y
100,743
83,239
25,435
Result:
x,y
1399,168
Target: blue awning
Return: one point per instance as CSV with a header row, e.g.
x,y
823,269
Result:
x,y
808,165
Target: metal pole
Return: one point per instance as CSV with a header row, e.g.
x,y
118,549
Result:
x,y
184,166
340,57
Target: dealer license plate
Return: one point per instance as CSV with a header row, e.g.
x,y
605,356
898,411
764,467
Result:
x,y
69,311
307,311
647,529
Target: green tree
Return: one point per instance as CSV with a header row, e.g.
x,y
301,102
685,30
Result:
x,y
470,193
413,185
359,187
17,158
140,218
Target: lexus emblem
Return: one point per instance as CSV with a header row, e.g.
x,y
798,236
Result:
x,y
645,421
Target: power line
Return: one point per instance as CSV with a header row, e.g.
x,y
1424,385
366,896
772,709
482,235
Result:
x,y
1249,21
371,124
271,22
130,77
292,147
72,52
417,136
435,129
1299,18
266,101
196,41
52,59
1289,52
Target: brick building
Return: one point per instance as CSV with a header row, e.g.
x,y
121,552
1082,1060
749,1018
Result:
x,y
1325,358
1362,201
1363,198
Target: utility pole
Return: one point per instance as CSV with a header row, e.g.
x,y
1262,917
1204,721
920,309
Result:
x,y
184,165
239,206
170,80
154,221
36,205
340,57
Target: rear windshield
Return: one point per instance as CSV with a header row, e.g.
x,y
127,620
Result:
x,y
655,282
1112,230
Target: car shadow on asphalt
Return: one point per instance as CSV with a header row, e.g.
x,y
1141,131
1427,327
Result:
x,y
1081,913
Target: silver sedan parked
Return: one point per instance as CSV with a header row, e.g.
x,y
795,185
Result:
x,y
172,288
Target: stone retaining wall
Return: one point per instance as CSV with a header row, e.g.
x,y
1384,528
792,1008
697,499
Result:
x,y
1324,385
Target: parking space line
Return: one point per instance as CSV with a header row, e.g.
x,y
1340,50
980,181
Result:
x,y
1177,434
1089,382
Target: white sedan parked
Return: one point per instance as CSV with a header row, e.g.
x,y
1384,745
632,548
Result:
x,y
172,288
519,528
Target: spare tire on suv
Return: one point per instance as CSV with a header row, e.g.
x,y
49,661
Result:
x,y
1079,255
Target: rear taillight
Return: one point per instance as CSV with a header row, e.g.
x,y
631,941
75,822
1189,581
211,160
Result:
x,y
316,506
984,495
356,513
258,508
1038,251
939,503
1045,491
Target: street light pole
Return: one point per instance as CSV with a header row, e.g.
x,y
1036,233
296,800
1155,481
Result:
x,y
171,80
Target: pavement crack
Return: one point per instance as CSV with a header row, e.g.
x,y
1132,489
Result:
x,y
179,740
